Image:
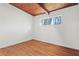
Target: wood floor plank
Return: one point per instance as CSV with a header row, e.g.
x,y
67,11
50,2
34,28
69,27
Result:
x,y
37,48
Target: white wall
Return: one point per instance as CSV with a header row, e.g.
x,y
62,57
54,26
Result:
x,y
65,34
15,25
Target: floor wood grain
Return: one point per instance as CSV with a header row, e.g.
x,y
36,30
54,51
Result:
x,y
37,48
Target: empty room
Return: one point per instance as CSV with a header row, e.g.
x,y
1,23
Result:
x,y
39,29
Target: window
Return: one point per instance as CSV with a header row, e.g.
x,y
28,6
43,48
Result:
x,y
46,21
51,21
56,20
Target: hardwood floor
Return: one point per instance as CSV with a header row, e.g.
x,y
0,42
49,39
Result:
x,y
37,48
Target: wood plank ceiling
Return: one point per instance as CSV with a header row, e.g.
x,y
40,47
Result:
x,y
41,8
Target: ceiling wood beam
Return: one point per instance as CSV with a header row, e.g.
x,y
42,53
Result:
x,y
66,5
42,6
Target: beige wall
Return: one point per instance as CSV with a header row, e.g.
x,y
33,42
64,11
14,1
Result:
x,y
15,25
65,34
